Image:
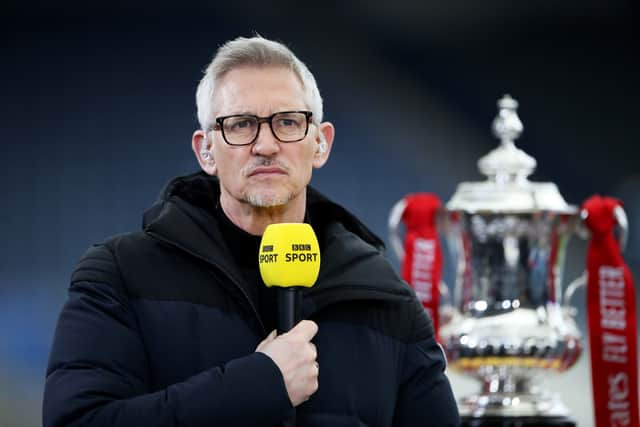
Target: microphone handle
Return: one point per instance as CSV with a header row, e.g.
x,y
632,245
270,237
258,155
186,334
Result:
x,y
289,313
289,308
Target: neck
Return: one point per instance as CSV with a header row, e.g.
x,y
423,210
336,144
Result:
x,y
254,219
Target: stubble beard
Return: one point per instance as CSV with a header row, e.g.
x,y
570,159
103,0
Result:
x,y
268,199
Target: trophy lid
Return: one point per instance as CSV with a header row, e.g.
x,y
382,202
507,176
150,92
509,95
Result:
x,y
507,188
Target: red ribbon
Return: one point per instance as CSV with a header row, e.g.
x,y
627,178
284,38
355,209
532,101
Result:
x,y
611,319
422,263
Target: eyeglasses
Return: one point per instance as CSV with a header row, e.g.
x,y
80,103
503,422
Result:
x,y
243,129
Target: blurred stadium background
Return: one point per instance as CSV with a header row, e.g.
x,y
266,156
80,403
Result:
x,y
98,108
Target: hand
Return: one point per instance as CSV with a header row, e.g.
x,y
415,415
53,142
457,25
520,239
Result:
x,y
295,355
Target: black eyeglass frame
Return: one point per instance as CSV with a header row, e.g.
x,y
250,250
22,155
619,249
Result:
x,y
268,119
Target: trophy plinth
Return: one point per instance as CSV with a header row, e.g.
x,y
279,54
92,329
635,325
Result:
x,y
509,325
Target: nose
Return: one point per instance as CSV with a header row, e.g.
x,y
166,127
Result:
x,y
266,143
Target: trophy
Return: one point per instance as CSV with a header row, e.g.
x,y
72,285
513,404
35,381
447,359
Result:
x,y
509,322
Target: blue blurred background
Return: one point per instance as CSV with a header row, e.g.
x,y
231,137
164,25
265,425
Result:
x,y
98,109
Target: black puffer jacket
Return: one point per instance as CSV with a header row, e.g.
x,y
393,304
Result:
x,y
160,329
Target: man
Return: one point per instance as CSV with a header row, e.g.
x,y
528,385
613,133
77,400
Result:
x,y
170,326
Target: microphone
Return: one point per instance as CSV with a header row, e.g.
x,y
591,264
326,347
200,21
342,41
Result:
x,y
290,260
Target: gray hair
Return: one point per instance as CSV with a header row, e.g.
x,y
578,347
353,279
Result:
x,y
256,51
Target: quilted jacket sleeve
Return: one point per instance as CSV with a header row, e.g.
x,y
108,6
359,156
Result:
x,y
425,396
97,372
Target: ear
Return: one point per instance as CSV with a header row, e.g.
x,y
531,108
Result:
x,y
202,148
324,142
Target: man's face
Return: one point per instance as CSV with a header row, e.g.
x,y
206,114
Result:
x,y
268,172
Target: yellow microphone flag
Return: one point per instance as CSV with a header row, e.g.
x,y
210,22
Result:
x,y
289,255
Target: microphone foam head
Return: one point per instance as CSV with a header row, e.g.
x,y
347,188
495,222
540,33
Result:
x,y
289,255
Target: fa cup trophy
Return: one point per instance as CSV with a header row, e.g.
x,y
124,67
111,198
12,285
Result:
x,y
510,321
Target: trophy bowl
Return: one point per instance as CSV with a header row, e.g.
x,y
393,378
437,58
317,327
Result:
x,y
509,323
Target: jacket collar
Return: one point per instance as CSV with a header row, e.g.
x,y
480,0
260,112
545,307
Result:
x,y
203,191
352,256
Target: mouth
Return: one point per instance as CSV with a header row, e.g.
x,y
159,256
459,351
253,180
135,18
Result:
x,y
267,171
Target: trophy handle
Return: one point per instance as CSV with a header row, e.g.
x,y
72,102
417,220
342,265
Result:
x,y
445,294
623,236
395,217
623,223
446,310
394,222
576,284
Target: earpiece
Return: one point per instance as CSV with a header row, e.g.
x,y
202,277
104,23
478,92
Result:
x,y
204,151
322,147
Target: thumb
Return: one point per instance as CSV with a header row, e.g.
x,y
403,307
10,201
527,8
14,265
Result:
x,y
268,339
272,336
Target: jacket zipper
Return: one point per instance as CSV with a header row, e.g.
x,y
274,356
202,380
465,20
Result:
x,y
231,279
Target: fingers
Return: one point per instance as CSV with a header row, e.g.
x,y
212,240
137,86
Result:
x,y
314,351
295,355
305,329
311,377
315,374
303,332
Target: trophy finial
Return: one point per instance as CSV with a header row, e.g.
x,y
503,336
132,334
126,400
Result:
x,y
507,125
507,162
